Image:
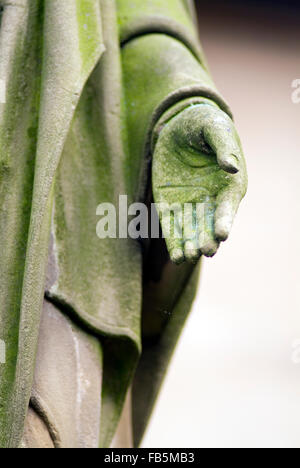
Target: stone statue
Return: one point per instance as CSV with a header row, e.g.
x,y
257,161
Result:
x,y
104,98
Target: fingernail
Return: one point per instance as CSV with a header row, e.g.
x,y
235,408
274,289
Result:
x,y
210,249
232,163
177,256
191,252
223,228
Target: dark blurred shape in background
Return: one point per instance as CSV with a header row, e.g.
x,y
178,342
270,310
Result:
x,y
274,4
274,15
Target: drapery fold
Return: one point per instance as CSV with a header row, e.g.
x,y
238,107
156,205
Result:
x,y
48,50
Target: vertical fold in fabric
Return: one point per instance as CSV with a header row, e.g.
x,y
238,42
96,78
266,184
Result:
x,y
43,100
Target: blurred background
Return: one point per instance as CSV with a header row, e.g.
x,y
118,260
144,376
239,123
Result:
x,y
235,378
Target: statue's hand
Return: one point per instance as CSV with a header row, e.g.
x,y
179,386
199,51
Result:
x,y
198,160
